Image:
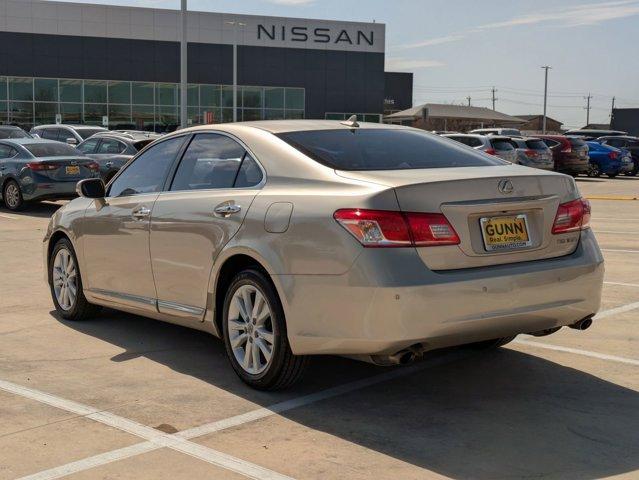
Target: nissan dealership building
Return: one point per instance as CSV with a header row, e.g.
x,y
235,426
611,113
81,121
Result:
x,y
120,66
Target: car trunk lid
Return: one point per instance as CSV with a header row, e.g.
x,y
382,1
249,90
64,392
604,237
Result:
x,y
64,169
470,196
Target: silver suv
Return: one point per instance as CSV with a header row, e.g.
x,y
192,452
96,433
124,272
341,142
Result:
x,y
533,152
71,134
492,144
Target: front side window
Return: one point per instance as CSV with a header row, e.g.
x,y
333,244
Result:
x,y
111,146
49,133
88,146
146,174
210,161
384,149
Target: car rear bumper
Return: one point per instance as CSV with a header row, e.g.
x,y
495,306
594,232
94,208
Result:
x,y
42,190
389,301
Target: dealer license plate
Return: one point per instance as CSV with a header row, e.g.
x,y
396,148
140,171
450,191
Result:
x,y
505,233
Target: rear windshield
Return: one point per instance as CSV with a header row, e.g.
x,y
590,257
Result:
x,y
142,143
576,142
501,145
13,133
536,144
87,132
384,149
53,149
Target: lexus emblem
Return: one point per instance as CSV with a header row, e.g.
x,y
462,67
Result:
x,y
505,186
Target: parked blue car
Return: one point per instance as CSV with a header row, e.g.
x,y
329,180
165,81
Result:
x,y
604,160
32,169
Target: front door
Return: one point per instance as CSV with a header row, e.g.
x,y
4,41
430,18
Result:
x,y
204,207
116,230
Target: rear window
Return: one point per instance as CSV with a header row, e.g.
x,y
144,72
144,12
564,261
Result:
x,y
383,149
87,132
142,143
510,131
576,142
501,145
536,145
53,149
13,133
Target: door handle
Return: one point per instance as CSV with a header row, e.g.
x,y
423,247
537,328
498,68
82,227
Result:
x,y
226,209
141,212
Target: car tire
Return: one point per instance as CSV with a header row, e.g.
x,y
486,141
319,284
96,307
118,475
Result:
x,y
491,344
73,306
593,171
259,334
12,196
612,175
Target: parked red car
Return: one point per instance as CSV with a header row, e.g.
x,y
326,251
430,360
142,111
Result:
x,y
569,153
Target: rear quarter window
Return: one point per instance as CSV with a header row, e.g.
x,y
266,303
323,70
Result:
x,y
383,149
53,149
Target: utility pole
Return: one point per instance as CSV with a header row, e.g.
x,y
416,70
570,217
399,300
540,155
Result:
x,y
543,125
468,98
588,109
183,69
494,99
612,109
235,24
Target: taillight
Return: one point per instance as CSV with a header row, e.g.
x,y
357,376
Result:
x,y
572,216
613,155
491,151
566,148
93,166
383,228
531,153
42,166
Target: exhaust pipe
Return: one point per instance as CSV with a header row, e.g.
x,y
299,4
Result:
x,y
582,324
543,333
403,357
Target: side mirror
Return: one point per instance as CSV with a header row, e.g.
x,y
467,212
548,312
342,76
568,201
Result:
x,y
72,141
91,188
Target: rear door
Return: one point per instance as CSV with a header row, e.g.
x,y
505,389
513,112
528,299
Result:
x,y
204,207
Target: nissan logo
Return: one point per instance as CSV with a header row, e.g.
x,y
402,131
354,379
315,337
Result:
x,y
505,186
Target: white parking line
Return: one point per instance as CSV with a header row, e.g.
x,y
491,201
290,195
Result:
x,y
181,438
621,284
155,437
617,310
577,351
616,232
8,217
618,250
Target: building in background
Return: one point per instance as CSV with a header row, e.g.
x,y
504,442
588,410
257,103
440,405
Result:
x,y
626,119
119,66
535,123
459,118
398,92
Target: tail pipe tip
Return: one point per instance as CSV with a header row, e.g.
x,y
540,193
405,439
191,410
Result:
x,y
582,324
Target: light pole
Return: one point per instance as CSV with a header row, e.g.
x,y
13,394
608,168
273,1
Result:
x,y
543,126
235,25
183,69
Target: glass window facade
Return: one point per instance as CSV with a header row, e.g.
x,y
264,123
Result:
x,y
147,106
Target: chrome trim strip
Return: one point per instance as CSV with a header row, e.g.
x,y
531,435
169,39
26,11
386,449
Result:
x,y
125,296
178,307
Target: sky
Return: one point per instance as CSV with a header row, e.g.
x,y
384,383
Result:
x,y
463,48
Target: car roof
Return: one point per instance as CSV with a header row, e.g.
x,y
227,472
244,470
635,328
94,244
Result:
x,y
76,127
28,141
125,136
625,137
282,126
10,127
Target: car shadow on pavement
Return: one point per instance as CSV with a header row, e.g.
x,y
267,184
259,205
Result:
x,y
589,180
38,209
484,415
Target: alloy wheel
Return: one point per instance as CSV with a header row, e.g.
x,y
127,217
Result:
x,y
12,195
65,279
251,329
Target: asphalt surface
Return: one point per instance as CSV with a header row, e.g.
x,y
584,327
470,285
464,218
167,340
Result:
x,y
130,398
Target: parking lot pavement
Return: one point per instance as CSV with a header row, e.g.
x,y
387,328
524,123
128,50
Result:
x,y
126,397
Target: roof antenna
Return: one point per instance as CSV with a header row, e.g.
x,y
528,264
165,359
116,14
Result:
x,y
351,122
